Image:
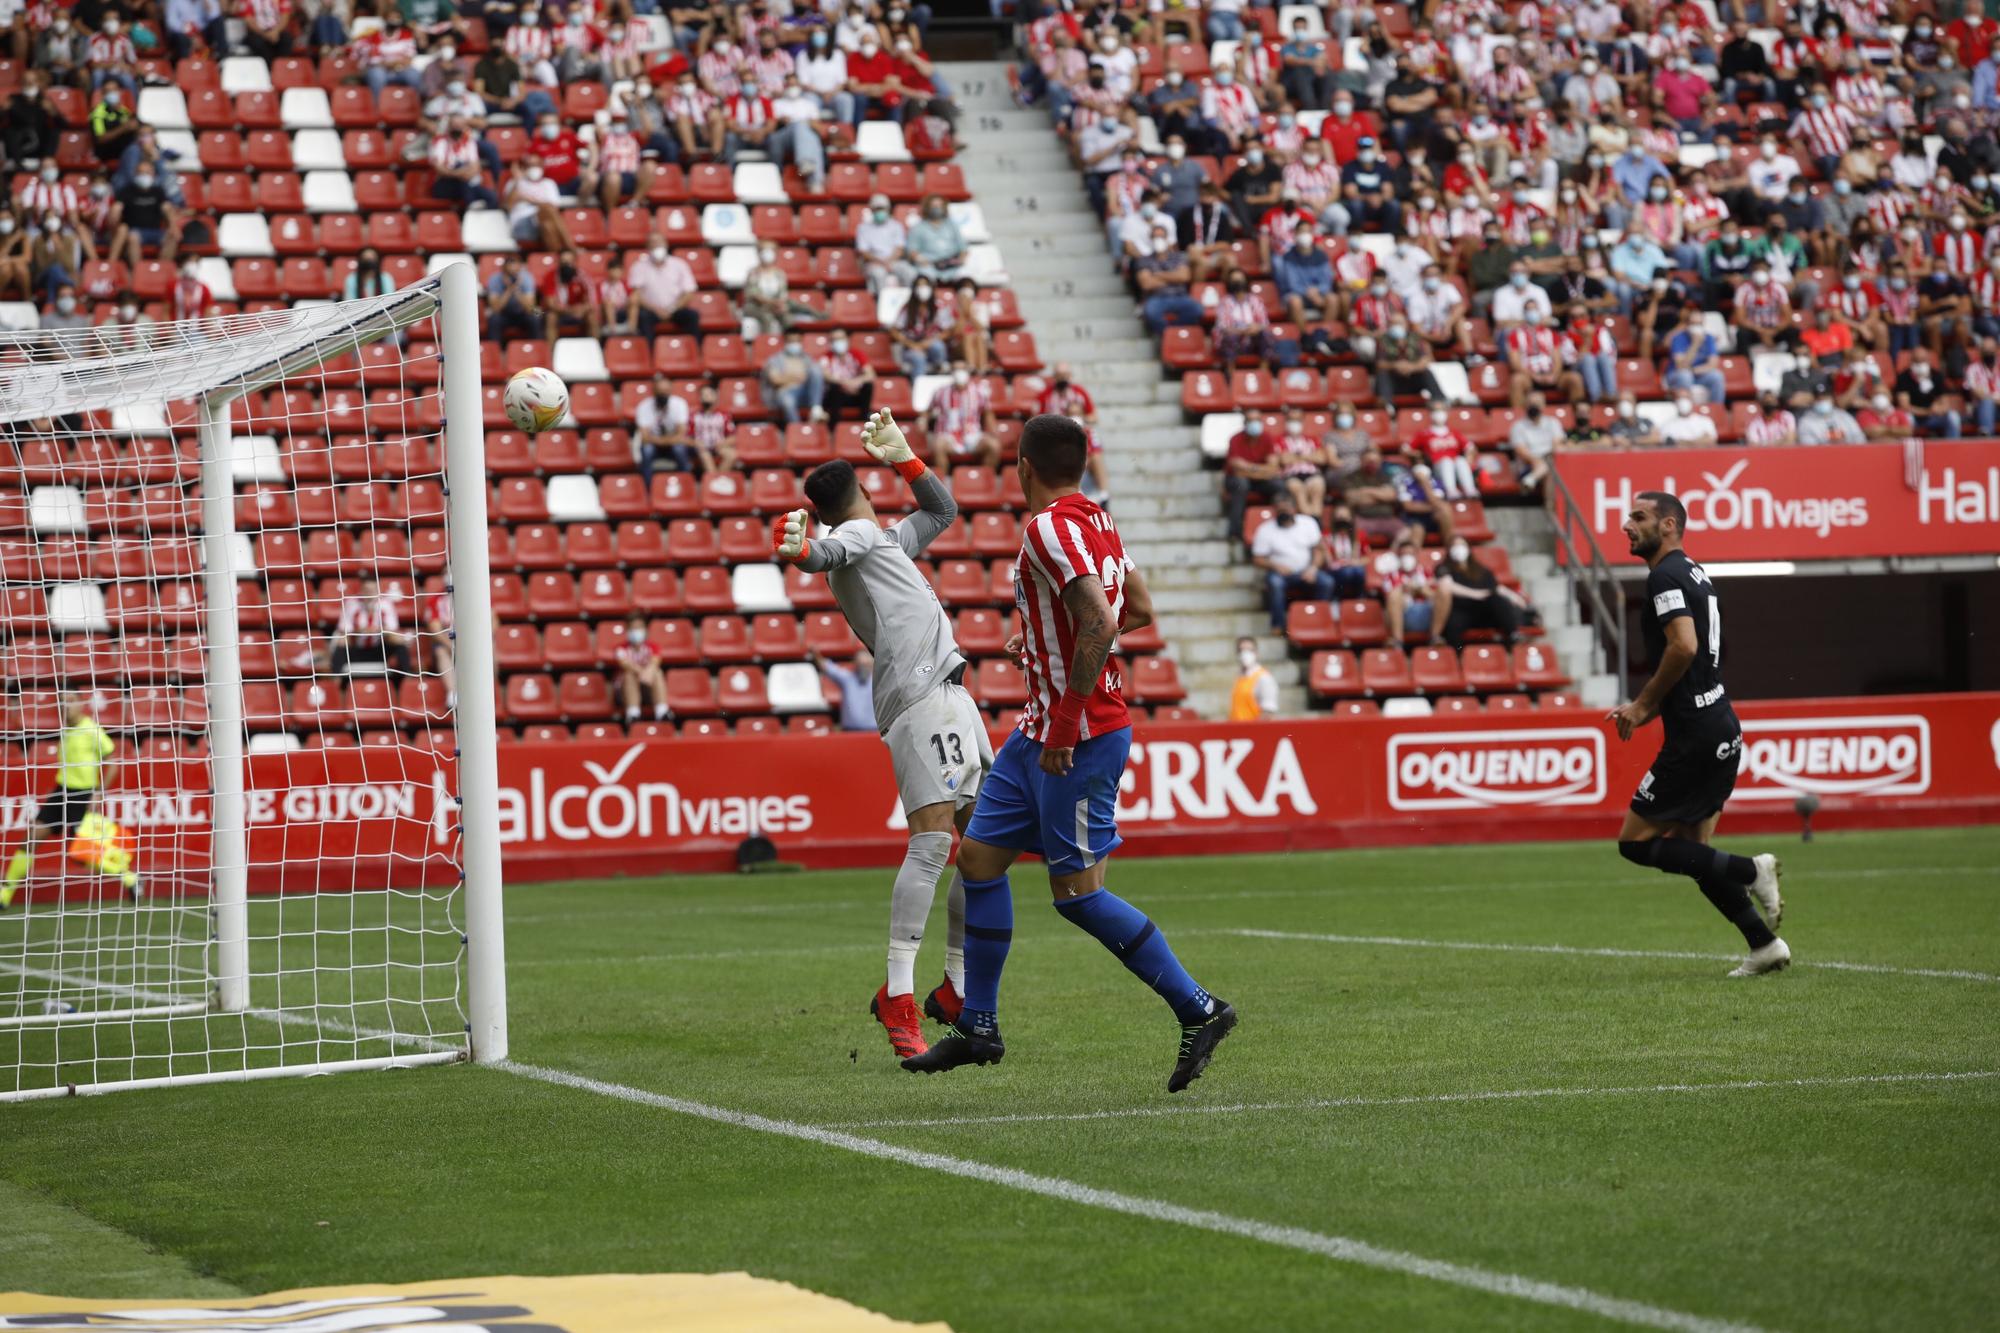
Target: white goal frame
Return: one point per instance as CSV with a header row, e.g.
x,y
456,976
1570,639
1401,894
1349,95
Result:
x,y
451,298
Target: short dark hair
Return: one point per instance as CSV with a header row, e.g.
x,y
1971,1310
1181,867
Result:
x,y
1055,447
1669,506
832,488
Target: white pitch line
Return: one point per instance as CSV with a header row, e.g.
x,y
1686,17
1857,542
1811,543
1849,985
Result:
x,y
1342,1248
710,956
1483,946
1415,1099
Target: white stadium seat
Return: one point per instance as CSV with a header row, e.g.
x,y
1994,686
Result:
x,y
255,458
1217,430
793,687
733,264
245,74
164,109
318,150
573,499
971,223
881,141
726,224
182,143
273,742
329,192
216,274
245,236
485,232
579,359
56,510
77,608
758,588
306,109
760,183
19,316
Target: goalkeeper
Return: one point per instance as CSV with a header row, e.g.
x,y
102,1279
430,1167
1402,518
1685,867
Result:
x,y
84,747
935,733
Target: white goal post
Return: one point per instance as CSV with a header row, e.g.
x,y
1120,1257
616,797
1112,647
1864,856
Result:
x,y
248,772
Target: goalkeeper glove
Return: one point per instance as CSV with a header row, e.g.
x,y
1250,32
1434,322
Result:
x,y
883,439
788,535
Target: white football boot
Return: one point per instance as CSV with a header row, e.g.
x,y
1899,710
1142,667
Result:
x,y
1773,957
1765,888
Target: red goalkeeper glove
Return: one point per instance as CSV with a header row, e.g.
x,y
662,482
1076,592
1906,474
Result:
x,y
788,535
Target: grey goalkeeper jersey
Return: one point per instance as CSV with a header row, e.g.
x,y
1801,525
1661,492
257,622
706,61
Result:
x,y
887,600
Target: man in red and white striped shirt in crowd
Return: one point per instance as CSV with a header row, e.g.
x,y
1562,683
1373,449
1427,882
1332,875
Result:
x,y
267,27
191,297
751,121
1986,294
369,630
1960,250
389,54
694,111
1763,310
1982,385
1314,178
1229,107
1827,131
1063,396
721,70
48,193
533,47
769,66
622,171
1859,301
569,299
961,422
113,57
1053,789
1534,355
1772,424
460,174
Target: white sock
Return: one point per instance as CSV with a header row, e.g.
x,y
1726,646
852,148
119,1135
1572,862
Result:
x,y
954,940
910,905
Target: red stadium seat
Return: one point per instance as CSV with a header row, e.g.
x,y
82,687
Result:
x,y
1334,674
1435,670
1536,667
1487,668
1385,671
1155,680
828,634
997,682
1313,624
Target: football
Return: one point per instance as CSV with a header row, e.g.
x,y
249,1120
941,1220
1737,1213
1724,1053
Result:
x,y
536,399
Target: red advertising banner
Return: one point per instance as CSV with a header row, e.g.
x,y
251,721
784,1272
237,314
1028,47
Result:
x,y
1806,503
365,818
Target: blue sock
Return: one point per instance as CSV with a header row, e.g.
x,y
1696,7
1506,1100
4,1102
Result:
x,y
1131,935
989,930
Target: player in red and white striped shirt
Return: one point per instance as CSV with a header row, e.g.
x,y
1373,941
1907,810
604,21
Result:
x,y
1053,788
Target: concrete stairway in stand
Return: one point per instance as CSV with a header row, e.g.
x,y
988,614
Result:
x,y
1167,506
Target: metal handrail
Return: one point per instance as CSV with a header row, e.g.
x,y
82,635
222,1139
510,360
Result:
x,y
1590,573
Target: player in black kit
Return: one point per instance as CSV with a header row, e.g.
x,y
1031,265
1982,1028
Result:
x,y
1673,813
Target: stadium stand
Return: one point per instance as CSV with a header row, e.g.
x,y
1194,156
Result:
x,y
653,214
1557,226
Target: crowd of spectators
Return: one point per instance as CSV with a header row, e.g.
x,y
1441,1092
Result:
x,y
1582,206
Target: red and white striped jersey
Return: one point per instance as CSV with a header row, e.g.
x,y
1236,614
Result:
x,y
1861,92
959,412
1123,191
1888,208
1314,185
368,618
709,429
769,70
1469,219
1232,110
1982,379
751,112
1502,85
269,13
1518,221
1962,253
192,299
1856,305
1372,312
1899,307
38,198
1765,307
1073,401
1697,209
108,50
619,152
623,43
1986,290
1237,313
1259,64
718,68
1535,347
1792,55
1826,131
689,104
386,48
1280,225
455,154
529,45
1354,268
1432,226
1283,140
1779,427
1069,540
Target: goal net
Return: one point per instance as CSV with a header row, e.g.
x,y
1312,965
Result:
x,y
247,772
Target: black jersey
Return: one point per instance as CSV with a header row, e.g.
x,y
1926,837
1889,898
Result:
x,y
1696,705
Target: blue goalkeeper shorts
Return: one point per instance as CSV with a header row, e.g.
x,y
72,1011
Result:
x,y
1071,820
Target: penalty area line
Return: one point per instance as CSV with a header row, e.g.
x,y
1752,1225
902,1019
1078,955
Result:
x,y
1419,1099
1484,946
1341,1248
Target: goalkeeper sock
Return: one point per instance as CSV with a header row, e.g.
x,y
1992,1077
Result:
x,y
910,905
1131,935
989,931
954,937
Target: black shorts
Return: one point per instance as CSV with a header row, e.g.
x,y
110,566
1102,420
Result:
x,y
1689,780
65,808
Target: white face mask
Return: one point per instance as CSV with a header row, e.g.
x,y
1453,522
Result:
x,y
1460,553
768,255
961,378
535,174
635,637
659,254
1247,658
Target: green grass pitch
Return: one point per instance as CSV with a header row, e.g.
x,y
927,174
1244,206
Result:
x,y
1839,1181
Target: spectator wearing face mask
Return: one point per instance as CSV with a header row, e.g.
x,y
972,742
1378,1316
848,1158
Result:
x,y
1412,602
1629,430
768,306
500,81
1920,389
920,330
569,300
1772,425
1689,426
1289,550
936,247
961,423
459,175
1371,495
63,316
112,124
1304,274
1242,324
534,207
513,303
388,55
1249,472
1533,440
639,674
1403,363
1478,600
662,285
1694,358
849,379
1255,693
880,240
1883,419
1449,454
791,383
367,279
660,437
796,142
1162,277
1828,423
16,260
62,50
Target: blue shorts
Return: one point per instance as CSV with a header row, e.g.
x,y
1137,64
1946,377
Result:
x,y
1417,615
1071,821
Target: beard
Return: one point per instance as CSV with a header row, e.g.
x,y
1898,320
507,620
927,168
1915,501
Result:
x,y
1644,547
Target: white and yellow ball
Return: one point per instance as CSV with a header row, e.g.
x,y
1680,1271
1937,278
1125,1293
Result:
x,y
536,399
